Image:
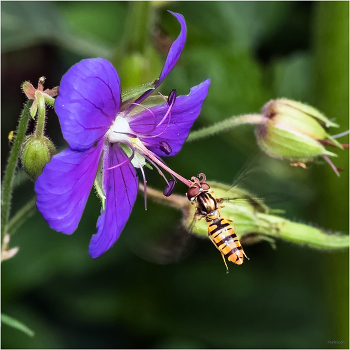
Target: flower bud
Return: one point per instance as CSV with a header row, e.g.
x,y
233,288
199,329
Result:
x,y
35,154
294,131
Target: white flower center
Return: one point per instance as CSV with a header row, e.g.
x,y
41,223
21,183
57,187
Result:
x,y
120,130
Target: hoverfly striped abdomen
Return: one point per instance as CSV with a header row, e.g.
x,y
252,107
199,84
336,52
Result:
x,y
225,239
220,231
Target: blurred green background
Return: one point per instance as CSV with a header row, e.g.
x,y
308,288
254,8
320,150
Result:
x,y
292,297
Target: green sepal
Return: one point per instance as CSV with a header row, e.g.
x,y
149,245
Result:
x,y
335,142
98,183
138,161
149,166
280,141
33,110
297,121
49,100
135,92
313,112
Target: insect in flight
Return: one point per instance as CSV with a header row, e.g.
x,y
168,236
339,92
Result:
x,y
220,231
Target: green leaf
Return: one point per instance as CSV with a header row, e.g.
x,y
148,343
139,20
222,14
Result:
x,y
12,322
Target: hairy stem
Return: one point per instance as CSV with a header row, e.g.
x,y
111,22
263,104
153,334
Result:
x,y
302,234
7,183
226,125
138,26
40,123
174,201
28,210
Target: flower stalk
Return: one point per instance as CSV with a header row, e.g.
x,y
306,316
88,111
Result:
x,y
40,123
138,26
226,125
7,183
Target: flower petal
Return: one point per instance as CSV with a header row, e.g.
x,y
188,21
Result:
x,y
183,114
120,186
64,186
173,56
175,49
88,101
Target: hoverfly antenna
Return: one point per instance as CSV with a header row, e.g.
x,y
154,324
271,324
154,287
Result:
x,y
201,175
195,180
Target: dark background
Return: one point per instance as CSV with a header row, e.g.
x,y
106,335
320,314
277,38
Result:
x,y
292,297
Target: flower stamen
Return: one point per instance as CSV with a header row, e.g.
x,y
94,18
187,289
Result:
x,y
165,147
331,164
125,161
154,117
341,134
169,188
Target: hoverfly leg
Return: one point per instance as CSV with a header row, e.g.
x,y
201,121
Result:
x,y
223,256
244,254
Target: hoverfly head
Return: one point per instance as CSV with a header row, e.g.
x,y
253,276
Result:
x,y
198,186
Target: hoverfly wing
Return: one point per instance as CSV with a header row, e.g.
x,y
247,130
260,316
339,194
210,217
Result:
x,y
171,247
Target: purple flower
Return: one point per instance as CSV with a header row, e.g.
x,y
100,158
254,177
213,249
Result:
x,y
108,138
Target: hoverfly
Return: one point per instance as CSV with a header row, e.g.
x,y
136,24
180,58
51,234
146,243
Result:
x,y
220,231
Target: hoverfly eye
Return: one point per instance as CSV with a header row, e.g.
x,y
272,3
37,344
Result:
x,y
205,186
192,192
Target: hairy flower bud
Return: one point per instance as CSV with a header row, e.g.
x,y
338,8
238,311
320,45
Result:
x,y
35,154
294,131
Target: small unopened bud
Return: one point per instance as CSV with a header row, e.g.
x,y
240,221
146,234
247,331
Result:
x,y
35,154
294,131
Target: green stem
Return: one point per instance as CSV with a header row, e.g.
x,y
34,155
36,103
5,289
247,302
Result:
x,y
138,26
226,125
28,210
174,201
298,233
83,46
12,322
7,183
40,122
